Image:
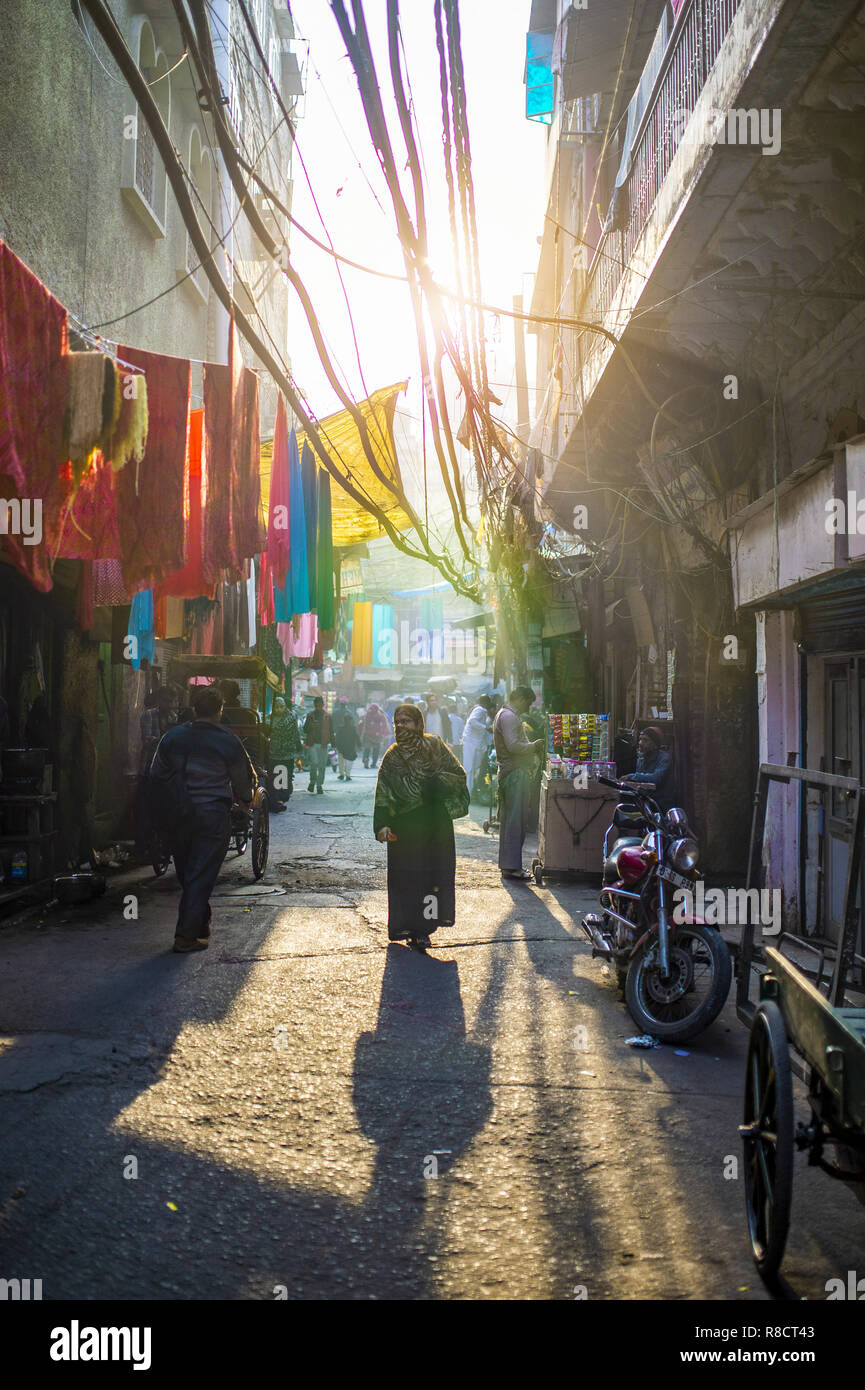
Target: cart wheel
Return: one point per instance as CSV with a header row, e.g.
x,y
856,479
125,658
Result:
x,y
767,1136
538,872
260,835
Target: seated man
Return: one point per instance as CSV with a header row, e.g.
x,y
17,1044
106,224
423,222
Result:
x,y
654,767
236,715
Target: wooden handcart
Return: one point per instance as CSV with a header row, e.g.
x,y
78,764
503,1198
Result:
x,y
804,1024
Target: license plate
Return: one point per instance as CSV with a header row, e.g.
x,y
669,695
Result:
x,y
677,879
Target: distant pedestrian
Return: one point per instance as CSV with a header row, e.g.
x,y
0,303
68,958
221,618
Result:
x,y
457,725
198,771
437,720
516,756
376,731
477,737
316,737
345,743
421,790
285,747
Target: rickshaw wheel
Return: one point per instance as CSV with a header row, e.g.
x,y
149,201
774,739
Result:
x,y
767,1137
260,835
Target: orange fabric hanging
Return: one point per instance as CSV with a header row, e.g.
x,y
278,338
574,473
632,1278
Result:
x,y
189,582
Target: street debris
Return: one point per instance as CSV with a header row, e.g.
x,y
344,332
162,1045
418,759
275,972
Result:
x,y
642,1040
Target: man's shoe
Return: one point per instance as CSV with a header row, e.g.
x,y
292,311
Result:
x,y
182,944
320,791
310,788
521,877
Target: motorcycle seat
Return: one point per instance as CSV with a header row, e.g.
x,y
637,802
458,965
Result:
x,y
624,842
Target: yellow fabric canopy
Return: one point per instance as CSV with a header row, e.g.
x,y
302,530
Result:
x,y
341,438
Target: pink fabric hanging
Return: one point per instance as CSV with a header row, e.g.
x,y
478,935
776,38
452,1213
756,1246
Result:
x,y
276,559
299,637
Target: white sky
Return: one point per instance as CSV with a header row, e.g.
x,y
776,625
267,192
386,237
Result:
x,y
507,164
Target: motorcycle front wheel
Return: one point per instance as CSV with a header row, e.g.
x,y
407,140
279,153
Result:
x,y
681,1006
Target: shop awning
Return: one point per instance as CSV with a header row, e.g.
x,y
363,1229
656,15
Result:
x,y
340,435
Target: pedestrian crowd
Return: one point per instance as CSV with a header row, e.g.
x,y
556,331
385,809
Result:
x,y
434,758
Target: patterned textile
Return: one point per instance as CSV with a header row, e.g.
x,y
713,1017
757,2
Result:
x,y
109,587
33,387
416,769
151,502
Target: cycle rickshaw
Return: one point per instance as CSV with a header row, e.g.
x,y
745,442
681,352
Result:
x,y
248,828
804,1024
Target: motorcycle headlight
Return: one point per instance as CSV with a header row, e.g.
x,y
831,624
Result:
x,y
684,855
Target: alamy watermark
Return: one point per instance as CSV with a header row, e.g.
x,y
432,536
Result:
x,y
725,907
752,125
419,646
22,516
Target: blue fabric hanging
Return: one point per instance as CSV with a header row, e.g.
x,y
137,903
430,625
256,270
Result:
x,y
383,643
282,609
299,569
141,627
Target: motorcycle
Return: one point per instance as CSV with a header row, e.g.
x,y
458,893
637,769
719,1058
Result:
x,y
674,968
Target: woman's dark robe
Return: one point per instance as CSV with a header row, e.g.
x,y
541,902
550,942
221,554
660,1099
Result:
x,y
421,861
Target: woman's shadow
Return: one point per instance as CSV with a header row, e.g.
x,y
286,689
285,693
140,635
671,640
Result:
x,y
421,1089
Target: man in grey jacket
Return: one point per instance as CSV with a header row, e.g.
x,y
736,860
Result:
x,y
216,769
515,755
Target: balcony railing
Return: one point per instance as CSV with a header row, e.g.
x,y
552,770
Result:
x,y
695,42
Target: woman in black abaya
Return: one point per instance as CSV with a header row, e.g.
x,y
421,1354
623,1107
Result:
x,y
421,789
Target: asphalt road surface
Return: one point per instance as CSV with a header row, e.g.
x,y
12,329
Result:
x,y
304,1111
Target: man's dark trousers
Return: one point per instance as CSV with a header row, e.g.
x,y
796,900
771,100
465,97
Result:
x,y
199,849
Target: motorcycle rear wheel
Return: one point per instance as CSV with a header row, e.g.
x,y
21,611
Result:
x,y
672,1020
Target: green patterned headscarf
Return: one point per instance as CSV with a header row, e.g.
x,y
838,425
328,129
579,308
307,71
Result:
x,y
415,759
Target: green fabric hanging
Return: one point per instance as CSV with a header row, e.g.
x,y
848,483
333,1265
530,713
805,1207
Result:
x,y
324,556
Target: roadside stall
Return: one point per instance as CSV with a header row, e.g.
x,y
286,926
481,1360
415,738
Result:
x,y
575,809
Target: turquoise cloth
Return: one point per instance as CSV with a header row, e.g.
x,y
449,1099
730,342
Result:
x,y
310,502
141,627
383,647
299,569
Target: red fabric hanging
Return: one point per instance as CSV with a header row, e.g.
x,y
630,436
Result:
x,y
87,523
232,529
217,544
151,501
33,388
190,581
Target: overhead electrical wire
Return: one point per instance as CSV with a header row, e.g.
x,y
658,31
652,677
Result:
x,y
115,41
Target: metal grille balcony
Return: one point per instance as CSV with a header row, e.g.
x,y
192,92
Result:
x,y
694,45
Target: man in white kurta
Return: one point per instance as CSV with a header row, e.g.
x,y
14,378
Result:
x,y
477,737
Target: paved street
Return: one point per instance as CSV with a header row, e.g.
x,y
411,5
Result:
x,y
287,1097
